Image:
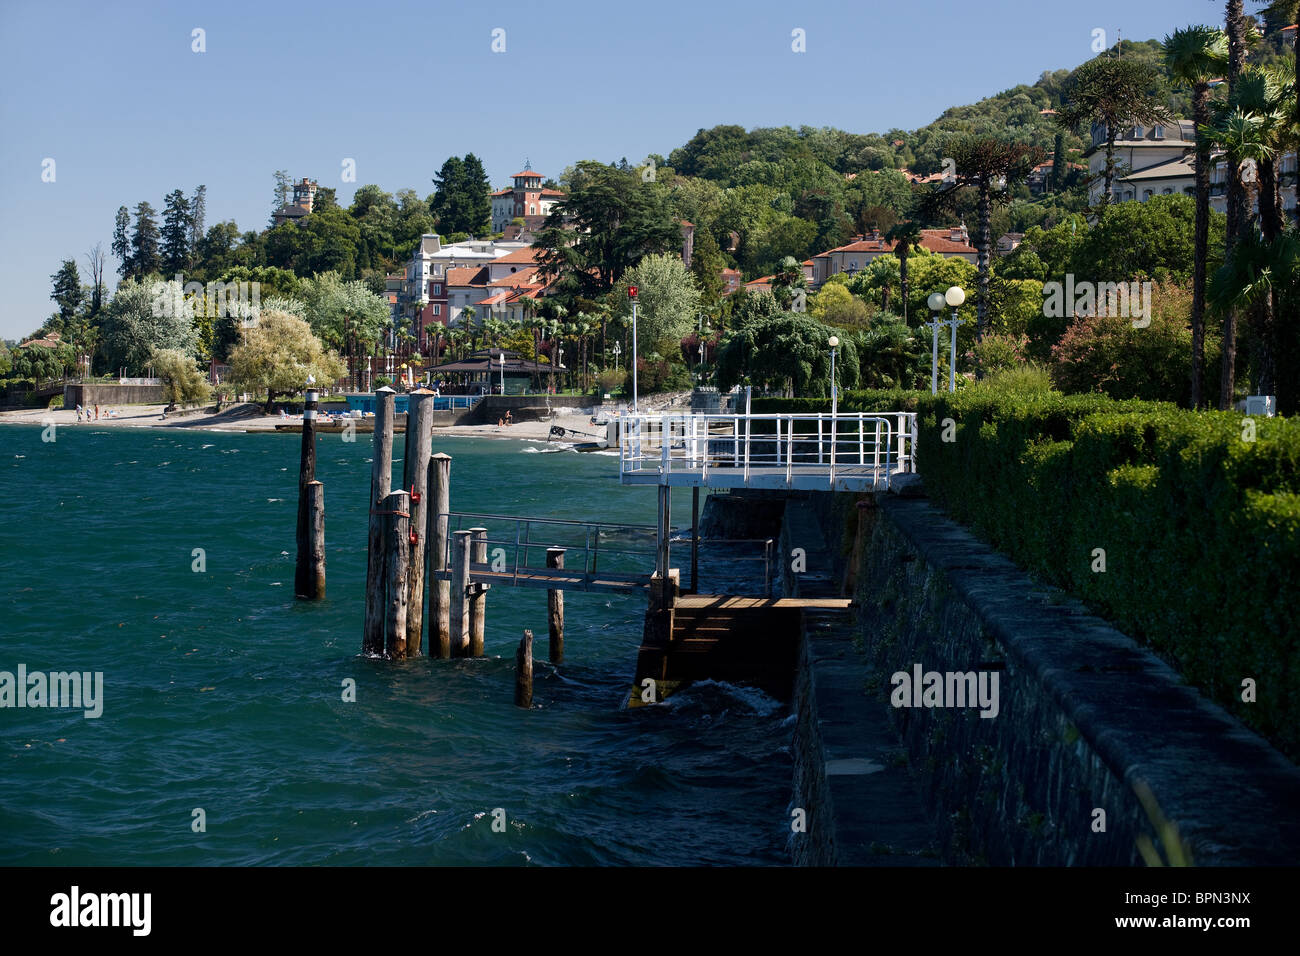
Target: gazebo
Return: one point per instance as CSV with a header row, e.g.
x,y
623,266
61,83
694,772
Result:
x,y
485,371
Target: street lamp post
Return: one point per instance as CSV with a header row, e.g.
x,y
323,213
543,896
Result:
x,y
954,297
631,294
834,343
617,350
502,359
936,302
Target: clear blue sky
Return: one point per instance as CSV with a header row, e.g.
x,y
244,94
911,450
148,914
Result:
x,y
114,94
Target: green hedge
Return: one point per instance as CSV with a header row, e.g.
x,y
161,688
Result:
x,y
1200,528
871,400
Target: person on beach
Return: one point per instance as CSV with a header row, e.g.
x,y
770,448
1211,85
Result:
x,y
97,411
501,422
508,416
78,413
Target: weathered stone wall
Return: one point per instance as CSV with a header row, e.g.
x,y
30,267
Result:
x,y
1084,714
110,394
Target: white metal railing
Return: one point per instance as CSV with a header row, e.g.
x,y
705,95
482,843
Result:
x,y
770,450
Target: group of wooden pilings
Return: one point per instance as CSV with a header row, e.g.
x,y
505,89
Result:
x,y
408,539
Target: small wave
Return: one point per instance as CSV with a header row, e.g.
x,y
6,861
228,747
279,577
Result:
x,y
281,499
756,700
540,451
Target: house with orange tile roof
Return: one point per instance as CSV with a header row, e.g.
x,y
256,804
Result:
x,y
525,200
852,258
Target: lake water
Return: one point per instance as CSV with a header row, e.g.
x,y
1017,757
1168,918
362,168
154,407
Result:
x,y
224,693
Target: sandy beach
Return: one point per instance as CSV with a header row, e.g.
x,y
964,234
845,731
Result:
x,y
246,417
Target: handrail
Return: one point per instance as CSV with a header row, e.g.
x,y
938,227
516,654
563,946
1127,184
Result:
x,y
755,449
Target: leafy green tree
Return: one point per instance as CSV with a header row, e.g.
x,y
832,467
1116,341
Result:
x,y
330,238
215,252
135,325
345,315
6,359
668,301
1153,239
277,354
145,259
183,383
606,224
40,363
1116,92
1107,354
786,351
67,294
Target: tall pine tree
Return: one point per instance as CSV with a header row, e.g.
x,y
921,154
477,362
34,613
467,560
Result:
x,y
446,202
121,241
176,233
198,212
144,242
477,197
67,293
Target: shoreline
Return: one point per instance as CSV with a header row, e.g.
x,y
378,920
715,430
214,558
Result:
x,y
246,418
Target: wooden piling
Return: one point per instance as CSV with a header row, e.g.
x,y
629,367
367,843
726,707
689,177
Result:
x,y
381,484
555,607
524,672
695,540
315,541
415,470
460,607
437,521
305,580
397,554
478,595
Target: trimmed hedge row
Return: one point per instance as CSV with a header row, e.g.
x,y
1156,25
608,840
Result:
x,y
1197,524
1198,519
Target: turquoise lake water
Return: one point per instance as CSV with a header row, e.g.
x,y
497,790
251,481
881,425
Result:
x,y
224,693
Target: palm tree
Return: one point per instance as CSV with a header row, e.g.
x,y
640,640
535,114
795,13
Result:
x,y
1193,57
1237,32
1252,137
905,236
1252,276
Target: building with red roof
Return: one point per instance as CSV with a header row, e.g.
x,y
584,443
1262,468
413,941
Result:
x,y
525,200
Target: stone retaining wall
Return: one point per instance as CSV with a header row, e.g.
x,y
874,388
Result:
x,y
1084,714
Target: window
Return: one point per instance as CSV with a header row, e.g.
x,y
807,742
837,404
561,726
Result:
x,y
1157,132
437,309
1139,132
1146,194
532,210
437,288
1166,191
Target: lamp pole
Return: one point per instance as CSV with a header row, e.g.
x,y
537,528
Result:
x,y
631,294
502,358
834,343
936,302
953,297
